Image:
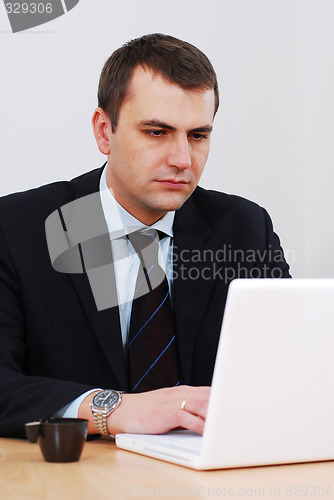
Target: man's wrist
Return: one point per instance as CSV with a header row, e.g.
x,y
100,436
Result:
x,y
115,421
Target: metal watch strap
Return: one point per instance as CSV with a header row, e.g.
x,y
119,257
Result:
x,y
101,414
100,420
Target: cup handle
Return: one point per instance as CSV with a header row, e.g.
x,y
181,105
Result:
x,y
32,431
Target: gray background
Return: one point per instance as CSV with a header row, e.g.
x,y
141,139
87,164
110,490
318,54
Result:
x,y
273,137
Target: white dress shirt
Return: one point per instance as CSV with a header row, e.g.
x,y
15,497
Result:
x,y
120,222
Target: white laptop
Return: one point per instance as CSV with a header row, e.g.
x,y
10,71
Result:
x,y
272,398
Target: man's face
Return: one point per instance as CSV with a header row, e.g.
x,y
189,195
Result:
x,y
160,146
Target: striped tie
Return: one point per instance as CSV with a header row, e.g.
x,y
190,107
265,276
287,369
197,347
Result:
x,y
152,358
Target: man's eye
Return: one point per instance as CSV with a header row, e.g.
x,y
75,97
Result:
x,y
155,133
199,137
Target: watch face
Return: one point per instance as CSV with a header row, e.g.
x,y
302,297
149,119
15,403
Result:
x,y
105,399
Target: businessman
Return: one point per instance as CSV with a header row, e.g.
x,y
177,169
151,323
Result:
x,y
145,363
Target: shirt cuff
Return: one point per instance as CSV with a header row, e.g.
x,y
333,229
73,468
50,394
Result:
x,y
71,410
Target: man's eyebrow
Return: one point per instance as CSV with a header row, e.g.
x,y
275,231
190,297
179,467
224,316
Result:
x,y
156,123
207,129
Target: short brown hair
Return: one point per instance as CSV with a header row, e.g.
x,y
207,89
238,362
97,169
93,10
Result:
x,y
178,61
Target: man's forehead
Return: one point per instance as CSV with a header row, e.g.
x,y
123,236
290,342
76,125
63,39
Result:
x,y
152,95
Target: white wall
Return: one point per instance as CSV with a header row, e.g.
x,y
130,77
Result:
x,y
273,137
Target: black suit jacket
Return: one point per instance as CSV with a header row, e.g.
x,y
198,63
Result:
x,y
55,344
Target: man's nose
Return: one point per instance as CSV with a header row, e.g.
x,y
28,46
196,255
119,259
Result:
x,y
179,154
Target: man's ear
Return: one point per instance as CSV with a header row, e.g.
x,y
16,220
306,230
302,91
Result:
x,y
102,129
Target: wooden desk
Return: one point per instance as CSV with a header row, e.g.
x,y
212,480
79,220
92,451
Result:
x,y
104,472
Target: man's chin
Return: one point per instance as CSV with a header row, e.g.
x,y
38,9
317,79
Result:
x,y
171,206
172,201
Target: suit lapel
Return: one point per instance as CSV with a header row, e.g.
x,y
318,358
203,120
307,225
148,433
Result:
x,y
191,286
106,322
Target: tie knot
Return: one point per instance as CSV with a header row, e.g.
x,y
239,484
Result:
x,y
146,244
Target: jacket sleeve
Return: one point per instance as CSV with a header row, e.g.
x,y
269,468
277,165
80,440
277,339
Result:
x,y
272,261
23,397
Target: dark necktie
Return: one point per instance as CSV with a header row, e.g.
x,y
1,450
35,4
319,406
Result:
x,y
152,358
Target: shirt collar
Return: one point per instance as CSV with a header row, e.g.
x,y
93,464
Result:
x,y
120,222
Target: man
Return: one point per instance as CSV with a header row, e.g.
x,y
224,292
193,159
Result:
x,y
59,349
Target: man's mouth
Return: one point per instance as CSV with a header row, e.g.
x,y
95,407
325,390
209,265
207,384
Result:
x,y
173,183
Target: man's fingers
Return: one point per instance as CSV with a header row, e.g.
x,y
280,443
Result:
x,y
192,414
197,407
191,422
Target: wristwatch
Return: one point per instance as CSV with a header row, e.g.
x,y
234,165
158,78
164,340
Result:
x,y
102,405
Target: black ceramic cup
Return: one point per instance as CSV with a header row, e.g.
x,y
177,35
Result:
x,y
60,439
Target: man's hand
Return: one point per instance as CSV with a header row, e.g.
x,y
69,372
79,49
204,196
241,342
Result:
x,y
159,411
156,412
